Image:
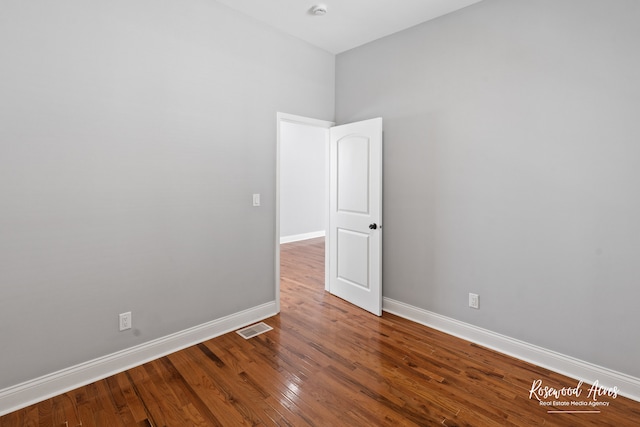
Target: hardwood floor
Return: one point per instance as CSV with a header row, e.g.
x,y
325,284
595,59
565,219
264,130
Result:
x,y
325,363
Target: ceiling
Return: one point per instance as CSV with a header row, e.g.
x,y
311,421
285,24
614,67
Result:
x,y
348,23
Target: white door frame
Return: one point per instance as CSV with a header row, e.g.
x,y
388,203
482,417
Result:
x,y
291,118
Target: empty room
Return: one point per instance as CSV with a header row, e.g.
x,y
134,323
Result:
x,y
460,246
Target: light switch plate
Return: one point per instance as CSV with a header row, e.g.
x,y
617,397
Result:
x,y
256,200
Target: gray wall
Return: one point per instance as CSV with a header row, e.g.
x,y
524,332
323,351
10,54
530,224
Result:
x,y
132,136
303,165
512,169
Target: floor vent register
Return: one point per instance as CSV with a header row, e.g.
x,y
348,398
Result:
x,y
254,330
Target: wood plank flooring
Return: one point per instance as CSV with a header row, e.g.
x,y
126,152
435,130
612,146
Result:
x,y
325,363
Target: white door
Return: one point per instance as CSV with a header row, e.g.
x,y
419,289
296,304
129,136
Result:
x,y
355,214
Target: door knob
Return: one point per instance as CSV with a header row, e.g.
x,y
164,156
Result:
x,y
373,226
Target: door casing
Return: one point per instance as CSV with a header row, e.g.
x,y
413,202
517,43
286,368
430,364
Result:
x,y
295,119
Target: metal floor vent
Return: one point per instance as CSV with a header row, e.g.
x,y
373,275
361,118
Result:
x,y
253,330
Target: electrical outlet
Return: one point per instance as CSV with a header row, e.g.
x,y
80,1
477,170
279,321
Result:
x,y
125,321
474,300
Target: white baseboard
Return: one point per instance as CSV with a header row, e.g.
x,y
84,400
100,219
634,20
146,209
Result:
x,y
36,390
39,389
304,236
574,368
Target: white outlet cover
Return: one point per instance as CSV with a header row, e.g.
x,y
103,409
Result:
x,y
474,301
125,321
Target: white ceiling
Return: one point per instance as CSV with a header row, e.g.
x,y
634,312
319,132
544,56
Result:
x,y
348,23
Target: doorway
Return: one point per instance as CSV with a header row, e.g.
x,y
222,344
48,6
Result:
x,y
352,205
299,213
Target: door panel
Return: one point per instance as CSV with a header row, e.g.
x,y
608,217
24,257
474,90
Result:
x,y
355,206
353,174
353,257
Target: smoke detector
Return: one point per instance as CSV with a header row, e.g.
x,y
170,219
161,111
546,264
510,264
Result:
x,y
319,10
